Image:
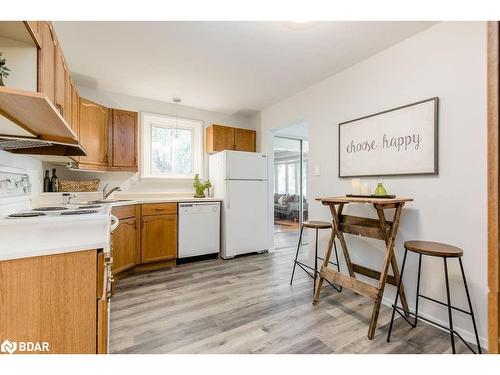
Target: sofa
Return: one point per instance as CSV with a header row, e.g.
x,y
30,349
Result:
x,y
287,206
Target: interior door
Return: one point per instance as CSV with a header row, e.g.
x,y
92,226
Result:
x,y
246,165
246,217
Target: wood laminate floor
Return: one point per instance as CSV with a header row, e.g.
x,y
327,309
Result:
x,y
246,305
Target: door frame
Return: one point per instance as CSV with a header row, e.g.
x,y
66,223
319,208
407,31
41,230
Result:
x,y
493,49
301,173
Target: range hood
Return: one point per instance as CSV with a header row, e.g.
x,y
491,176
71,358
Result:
x,y
30,124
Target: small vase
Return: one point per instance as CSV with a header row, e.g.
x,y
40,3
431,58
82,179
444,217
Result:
x,y
200,194
380,190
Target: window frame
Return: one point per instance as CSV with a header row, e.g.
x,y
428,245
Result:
x,y
148,120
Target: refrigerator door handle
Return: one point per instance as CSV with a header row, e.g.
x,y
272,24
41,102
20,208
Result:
x,y
228,199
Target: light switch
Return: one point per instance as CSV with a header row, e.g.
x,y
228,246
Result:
x,y
317,171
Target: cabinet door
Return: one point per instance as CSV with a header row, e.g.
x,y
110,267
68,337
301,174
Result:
x,y
124,140
219,138
244,139
93,133
46,68
51,298
60,81
158,238
124,251
75,110
102,326
35,27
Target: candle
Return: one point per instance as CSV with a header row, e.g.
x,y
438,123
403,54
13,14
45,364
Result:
x,y
356,186
366,189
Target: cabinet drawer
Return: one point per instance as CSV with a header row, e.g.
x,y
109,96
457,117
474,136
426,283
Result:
x,y
124,212
158,209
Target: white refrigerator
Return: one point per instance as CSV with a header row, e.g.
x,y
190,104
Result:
x,y
240,180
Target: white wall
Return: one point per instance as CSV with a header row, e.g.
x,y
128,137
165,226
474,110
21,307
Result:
x,y
131,181
447,60
32,166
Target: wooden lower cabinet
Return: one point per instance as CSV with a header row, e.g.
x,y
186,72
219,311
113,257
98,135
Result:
x,y
158,238
52,299
124,245
145,239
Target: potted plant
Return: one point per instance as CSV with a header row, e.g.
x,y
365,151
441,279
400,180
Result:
x,y
200,187
4,71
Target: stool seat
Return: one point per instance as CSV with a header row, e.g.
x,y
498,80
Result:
x,y
317,224
436,249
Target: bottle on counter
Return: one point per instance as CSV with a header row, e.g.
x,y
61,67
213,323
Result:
x,y
47,183
54,182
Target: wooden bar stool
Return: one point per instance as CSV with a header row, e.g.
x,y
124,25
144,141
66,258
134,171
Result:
x,y
317,225
444,251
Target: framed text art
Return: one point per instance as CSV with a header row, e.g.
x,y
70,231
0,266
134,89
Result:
x,y
399,141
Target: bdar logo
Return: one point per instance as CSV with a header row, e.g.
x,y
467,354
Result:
x,y
8,347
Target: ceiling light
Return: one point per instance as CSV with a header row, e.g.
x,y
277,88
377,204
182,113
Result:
x,y
300,24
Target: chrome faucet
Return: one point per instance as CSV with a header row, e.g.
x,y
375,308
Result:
x,y
106,194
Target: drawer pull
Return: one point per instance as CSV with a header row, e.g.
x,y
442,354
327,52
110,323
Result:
x,y
159,209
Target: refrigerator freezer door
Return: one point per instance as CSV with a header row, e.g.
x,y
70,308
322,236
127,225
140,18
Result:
x,y
245,218
246,165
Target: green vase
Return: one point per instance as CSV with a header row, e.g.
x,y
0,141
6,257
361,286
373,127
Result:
x,y
380,190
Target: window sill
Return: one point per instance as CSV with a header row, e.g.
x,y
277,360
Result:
x,y
164,179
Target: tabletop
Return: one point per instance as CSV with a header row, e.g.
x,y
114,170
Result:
x,y
372,200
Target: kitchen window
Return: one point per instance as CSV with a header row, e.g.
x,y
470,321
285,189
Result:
x,y
171,147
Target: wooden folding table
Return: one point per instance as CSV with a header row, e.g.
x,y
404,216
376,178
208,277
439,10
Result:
x,y
381,229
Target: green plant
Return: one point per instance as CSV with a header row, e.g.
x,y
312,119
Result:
x,y
4,71
200,187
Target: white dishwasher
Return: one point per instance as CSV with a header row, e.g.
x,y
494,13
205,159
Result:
x,y
199,229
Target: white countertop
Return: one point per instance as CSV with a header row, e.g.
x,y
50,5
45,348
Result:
x,y
162,200
38,236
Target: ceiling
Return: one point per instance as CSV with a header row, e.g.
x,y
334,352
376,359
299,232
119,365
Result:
x,y
228,67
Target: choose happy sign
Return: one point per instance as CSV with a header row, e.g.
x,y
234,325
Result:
x,y
399,141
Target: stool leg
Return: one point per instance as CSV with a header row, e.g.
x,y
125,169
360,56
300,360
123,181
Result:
x,y
297,253
470,306
397,295
315,262
418,289
452,335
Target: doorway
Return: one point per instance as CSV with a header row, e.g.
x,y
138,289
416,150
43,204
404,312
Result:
x,y
290,189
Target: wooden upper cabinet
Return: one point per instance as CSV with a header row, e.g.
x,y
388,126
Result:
x,y
220,138
62,86
46,60
244,139
93,126
35,30
123,140
75,110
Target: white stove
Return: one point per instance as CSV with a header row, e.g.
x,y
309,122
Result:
x,y
26,231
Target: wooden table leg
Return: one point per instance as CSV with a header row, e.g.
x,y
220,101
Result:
x,y
326,259
385,269
394,263
340,235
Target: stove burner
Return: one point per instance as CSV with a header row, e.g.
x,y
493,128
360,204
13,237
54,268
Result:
x,y
53,208
82,212
88,207
26,214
